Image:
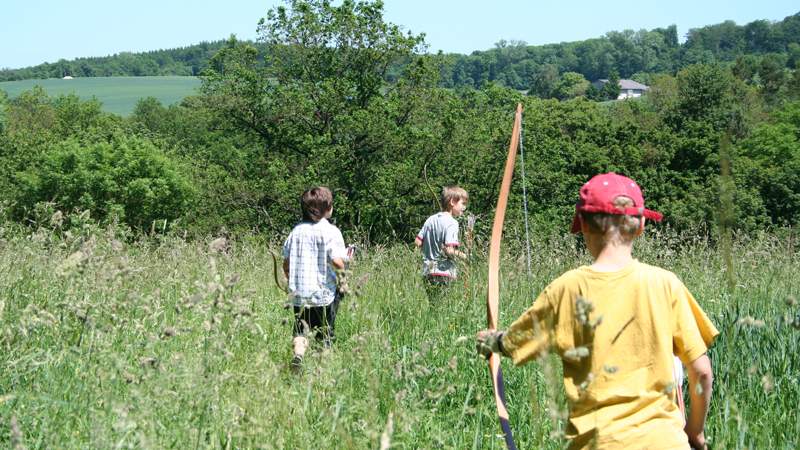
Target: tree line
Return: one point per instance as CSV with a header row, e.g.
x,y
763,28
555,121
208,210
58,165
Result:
x,y
541,70
269,124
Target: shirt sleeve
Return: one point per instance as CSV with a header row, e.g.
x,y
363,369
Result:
x,y
451,235
692,330
532,332
421,234
336,248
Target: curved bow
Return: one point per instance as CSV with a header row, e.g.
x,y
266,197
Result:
x,y
493,296
277,266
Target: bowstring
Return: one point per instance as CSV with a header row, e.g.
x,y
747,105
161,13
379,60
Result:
x,y
525,197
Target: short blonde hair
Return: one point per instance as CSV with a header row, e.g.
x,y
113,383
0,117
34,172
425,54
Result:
x,y
453,194
621,227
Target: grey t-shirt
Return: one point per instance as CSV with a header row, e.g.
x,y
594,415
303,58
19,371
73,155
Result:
x,y
440,230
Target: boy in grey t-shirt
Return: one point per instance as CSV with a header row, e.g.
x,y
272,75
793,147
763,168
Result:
x,y
438,238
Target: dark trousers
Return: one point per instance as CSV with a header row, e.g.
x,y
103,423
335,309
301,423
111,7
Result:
x,y
436,287
318,321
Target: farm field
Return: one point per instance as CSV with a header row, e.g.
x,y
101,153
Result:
x,y
117,94
164,343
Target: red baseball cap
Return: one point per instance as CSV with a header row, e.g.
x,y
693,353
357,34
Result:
x,y
598,194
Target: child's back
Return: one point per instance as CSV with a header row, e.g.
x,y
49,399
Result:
x,y
438,237
616,325
310,248
312,253
614,332
439,232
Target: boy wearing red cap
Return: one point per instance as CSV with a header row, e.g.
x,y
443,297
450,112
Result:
x,y
616,324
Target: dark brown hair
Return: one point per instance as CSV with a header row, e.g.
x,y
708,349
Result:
x,y
315,203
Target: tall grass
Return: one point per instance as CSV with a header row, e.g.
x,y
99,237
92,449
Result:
x,y
168,343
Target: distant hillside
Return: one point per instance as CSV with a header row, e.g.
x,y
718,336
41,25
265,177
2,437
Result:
x,y
118,95
184,61
631,54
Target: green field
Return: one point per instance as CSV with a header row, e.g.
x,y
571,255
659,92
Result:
x,y
118,94
165,343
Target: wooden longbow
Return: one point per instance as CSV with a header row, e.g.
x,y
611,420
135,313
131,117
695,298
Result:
x,y
493,296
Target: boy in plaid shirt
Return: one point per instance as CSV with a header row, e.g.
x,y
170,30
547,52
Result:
x,y
312,254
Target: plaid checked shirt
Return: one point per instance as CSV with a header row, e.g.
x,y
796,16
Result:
x,y
310,248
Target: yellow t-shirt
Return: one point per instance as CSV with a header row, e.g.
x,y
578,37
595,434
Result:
x,y
616,333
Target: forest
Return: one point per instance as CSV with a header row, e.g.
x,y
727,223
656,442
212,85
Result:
x,y
385,127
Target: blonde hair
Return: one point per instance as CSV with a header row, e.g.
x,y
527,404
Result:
x,y
452,194
619,227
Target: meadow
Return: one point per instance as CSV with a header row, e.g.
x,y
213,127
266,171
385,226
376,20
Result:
x,y
160,342
118,95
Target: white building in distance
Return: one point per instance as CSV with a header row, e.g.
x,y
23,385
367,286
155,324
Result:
x,y
627,88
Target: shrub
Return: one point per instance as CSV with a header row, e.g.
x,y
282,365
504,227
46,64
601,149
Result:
x,y
128,178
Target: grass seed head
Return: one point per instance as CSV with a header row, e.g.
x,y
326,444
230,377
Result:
x,y
767,383
576,354
749,321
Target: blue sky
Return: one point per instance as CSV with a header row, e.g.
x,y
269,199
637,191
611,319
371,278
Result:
x,y
37,31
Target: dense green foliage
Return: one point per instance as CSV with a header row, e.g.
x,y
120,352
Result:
x,y
318,109
126,178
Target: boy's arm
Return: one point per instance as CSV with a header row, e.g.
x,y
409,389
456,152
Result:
x,y
451,243
526,337
338,263
453,252
286,267
701,379
418,241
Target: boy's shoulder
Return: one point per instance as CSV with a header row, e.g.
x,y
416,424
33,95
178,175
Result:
x,y
322,225
652,274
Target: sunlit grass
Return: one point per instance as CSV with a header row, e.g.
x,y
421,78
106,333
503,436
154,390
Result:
x,y
167,343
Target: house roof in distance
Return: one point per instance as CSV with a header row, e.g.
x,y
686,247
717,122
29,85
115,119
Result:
x,y
623,84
